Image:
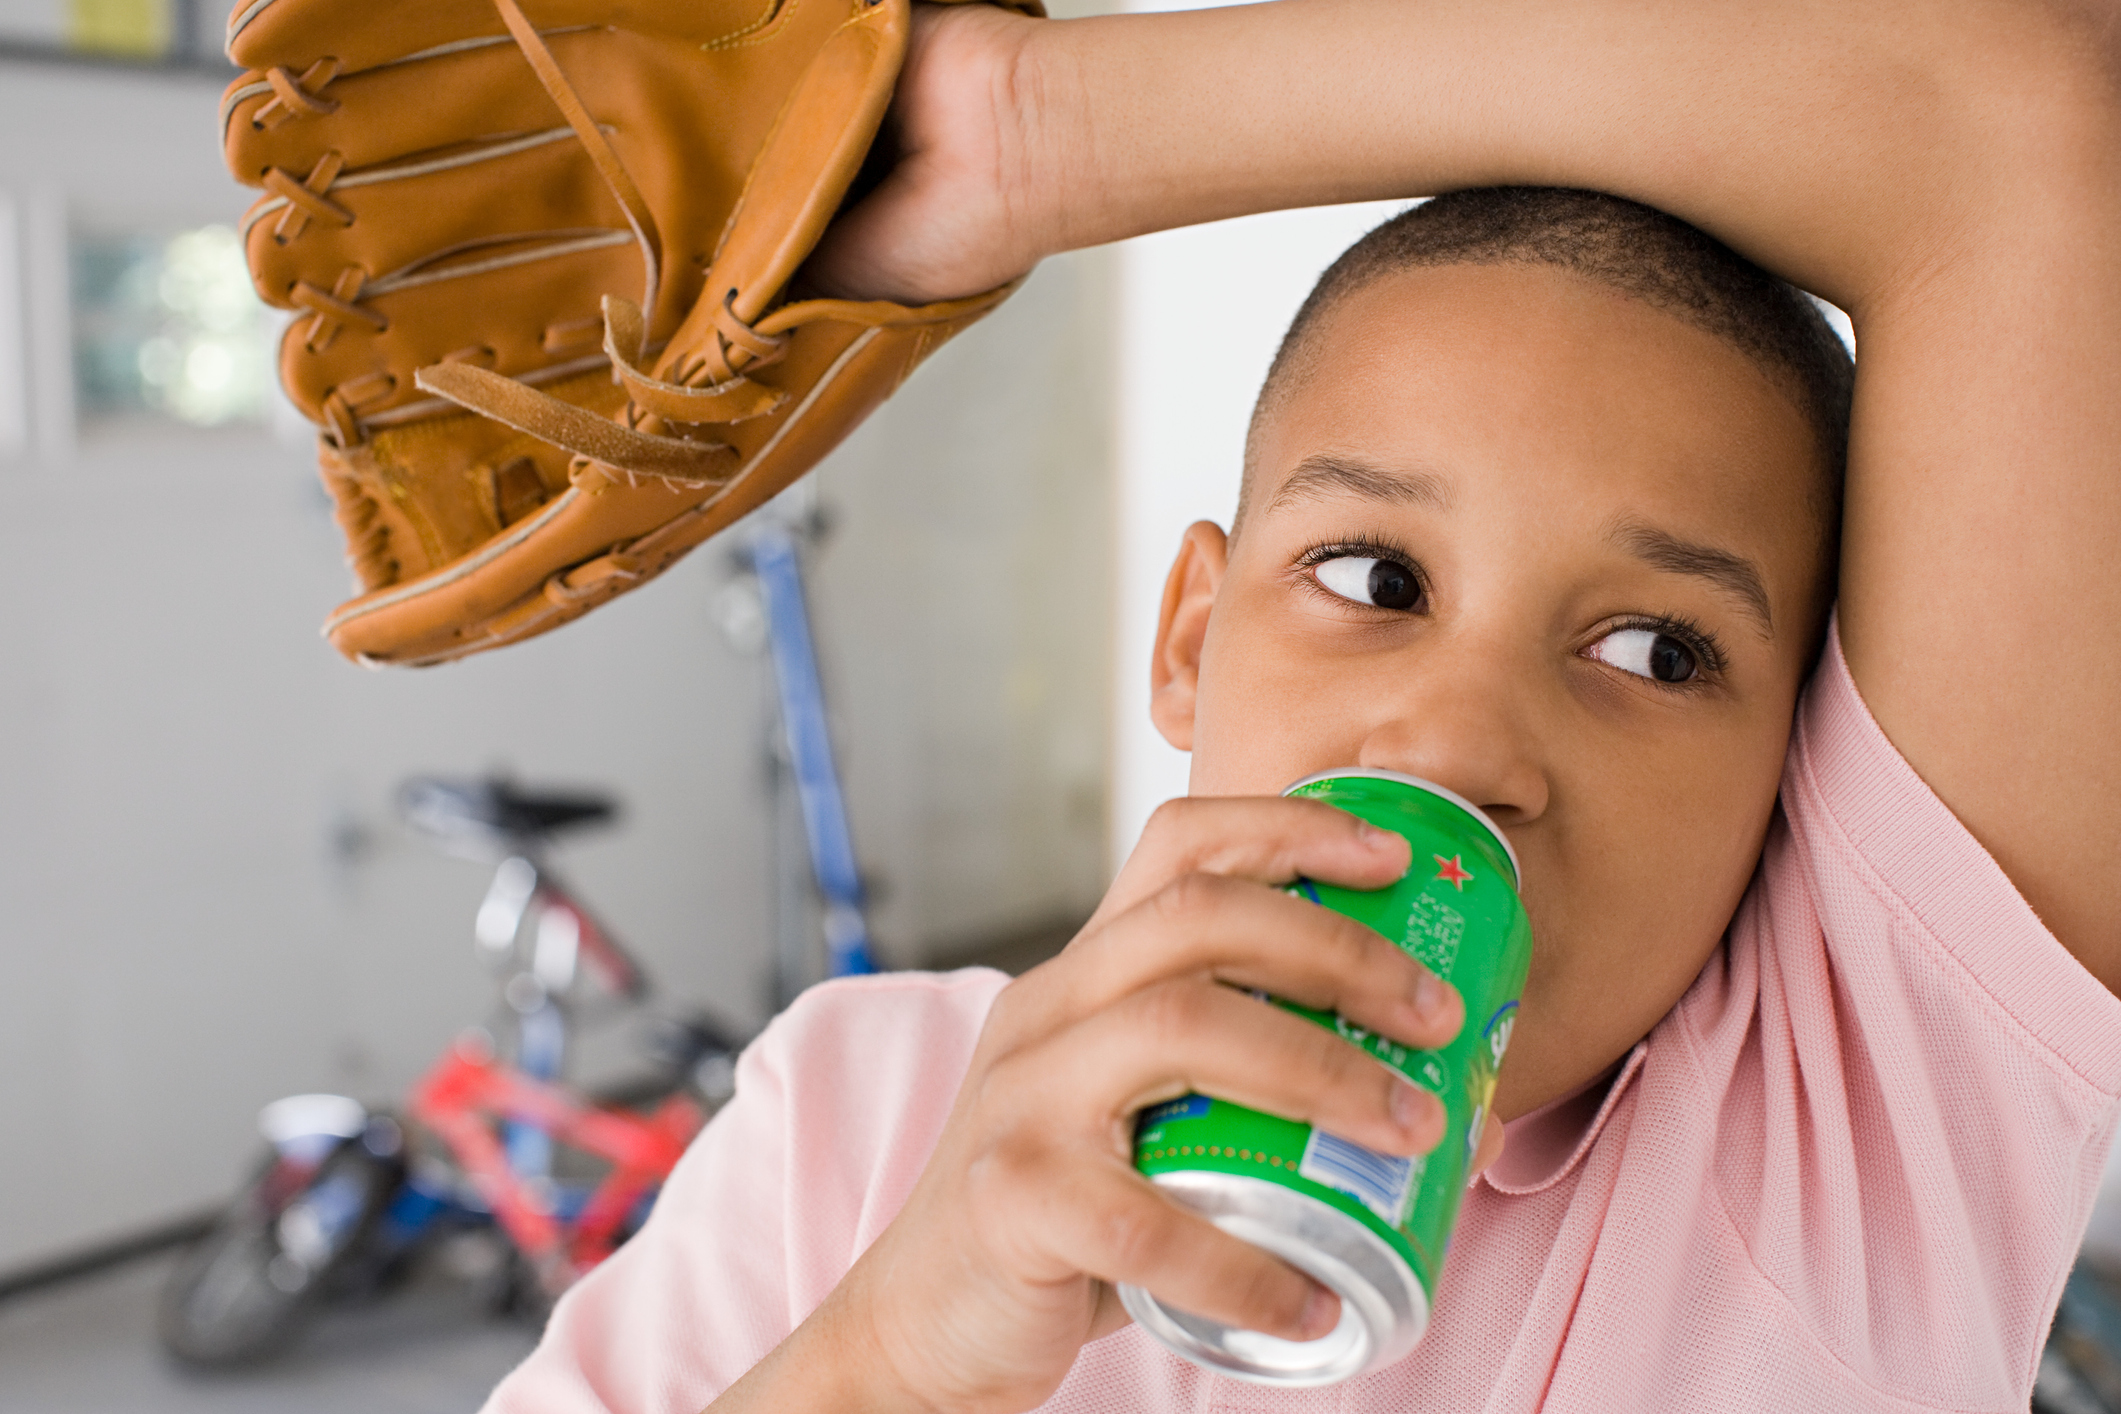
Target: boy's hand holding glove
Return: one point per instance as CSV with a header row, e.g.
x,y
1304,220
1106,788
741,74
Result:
x,y
543,256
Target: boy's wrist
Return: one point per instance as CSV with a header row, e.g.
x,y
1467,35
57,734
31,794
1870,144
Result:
x,y
833,1363
1130,124
1049,165
1076,155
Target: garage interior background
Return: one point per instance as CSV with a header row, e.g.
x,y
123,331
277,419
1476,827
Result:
x,y
205,898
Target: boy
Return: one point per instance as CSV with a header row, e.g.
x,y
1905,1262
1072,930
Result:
x,y
1811,1090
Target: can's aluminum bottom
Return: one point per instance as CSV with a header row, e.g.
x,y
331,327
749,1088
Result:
x,y
1383,1310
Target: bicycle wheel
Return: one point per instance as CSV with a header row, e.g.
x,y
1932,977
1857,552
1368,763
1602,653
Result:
x,y
242,1293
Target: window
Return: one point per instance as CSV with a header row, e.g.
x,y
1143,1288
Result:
x,y
170,325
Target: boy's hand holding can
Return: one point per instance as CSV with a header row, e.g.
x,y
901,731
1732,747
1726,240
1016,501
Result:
x,y
1372,1226
1006,1258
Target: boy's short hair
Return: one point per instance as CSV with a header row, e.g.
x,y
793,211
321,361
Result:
x,y
1635,249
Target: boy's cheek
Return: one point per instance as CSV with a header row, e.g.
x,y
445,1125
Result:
x,y
1257,753
1264,718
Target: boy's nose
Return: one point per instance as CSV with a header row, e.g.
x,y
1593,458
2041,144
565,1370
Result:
x,y
1465,722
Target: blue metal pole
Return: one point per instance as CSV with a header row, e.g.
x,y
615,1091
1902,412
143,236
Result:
x,y
774,560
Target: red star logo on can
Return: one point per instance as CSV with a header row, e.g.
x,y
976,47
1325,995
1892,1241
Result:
x,y
1451,869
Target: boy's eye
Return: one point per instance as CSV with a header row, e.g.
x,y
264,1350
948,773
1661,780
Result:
x,y
1387,584
1647,654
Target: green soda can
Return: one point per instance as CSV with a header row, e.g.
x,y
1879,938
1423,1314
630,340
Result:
x,y
1371,1227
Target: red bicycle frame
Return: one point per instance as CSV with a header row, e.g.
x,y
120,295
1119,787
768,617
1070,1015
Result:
x,y
469,1094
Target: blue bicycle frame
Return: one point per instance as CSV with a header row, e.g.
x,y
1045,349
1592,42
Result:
x,y
775,560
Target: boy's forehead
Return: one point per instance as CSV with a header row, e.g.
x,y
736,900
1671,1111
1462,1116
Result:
x,y
1455,366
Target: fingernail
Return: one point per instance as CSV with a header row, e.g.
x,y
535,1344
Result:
x,y
1432,998
1412,1106
1374,835
1321,1314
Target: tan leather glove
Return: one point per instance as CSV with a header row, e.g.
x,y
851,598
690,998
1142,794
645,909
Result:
x,y
541,254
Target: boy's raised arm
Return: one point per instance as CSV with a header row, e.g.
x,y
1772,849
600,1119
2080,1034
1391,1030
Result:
x,y
1949,172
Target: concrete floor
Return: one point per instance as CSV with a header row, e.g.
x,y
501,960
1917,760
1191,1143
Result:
x,y
89,1348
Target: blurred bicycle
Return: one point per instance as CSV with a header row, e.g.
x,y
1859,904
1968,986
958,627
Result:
x,y
491,1139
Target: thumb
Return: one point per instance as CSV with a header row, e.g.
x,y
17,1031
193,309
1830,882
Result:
x,y
1491,1142
872,251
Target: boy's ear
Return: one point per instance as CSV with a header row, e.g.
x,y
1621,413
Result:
x,y
1182,630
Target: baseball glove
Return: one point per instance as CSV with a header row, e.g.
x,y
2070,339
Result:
x,y
463,201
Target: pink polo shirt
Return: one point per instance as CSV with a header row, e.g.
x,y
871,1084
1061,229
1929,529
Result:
x,y
1847,1172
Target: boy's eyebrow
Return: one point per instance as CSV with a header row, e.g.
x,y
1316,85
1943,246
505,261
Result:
x,y
1734,574
1326,474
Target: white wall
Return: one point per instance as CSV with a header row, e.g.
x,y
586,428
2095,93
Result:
x,y
1200,314
968,609
204,901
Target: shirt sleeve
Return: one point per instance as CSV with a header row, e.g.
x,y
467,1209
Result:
x,y
1919,1082
838,1105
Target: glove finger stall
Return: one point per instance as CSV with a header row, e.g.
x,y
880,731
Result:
x,y
464,200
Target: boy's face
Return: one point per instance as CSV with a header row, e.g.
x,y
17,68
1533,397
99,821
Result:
x,y
1528,538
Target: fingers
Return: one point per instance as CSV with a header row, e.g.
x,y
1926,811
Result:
x,y
1192,1035
1077,1201
1258,938
1270,839
1113,1225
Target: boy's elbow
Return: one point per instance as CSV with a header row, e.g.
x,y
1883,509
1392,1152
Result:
x,y
2009,131
2047,77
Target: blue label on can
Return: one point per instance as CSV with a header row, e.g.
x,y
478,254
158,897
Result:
x,y
1184,1107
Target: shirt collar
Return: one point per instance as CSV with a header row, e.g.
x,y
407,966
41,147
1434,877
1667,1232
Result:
x,y
1545,1146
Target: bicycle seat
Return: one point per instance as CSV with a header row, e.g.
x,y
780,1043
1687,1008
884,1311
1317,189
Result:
x,y
492,808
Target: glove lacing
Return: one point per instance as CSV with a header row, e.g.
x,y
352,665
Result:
x,y
711,388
